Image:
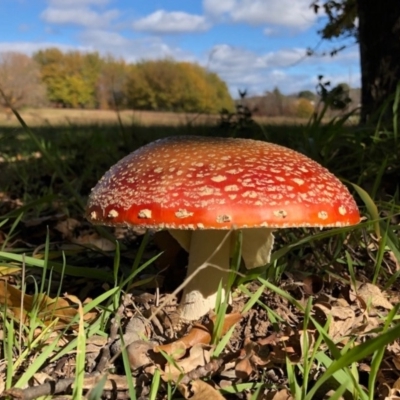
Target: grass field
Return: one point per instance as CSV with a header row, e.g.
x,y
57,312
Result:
x,y
80,304
62,117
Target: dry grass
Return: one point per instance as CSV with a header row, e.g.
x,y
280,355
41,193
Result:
x,y
62,117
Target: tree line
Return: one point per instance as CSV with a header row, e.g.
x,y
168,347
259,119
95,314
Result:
x,y
88,80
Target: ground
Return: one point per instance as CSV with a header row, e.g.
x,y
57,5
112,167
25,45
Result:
x,y
94,309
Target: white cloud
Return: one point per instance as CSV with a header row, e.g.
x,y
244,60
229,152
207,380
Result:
x,y
78,16
162,21
218,7
132,50
235,57
29,48
269,31
103,40
107,42
285,13
286,68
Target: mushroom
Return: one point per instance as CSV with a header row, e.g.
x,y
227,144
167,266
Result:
x,y
202,188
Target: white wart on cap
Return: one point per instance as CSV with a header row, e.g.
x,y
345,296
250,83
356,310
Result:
x,y
199,183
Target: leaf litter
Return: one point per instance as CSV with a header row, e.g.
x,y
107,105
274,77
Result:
x,y
264,340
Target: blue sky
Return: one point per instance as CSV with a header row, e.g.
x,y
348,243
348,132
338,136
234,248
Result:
x,y
252,44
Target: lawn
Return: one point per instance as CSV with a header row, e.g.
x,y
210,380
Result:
x,y
91,310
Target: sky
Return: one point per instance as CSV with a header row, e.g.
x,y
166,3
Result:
x,y
253,45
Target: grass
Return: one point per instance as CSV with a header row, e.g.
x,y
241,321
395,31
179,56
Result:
x,y
74,117
308,329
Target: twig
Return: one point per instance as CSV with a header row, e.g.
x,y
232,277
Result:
x,y
45,389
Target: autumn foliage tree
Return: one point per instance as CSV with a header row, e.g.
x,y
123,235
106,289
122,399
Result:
x,y
20,81
176,86
70,77
86,80
111,83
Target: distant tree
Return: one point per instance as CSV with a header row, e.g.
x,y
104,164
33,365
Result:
x,y
75,79
205,91
222,97
376,28
110,88
304,108
176,86
20,81
278,98
52,72
139,95
307,94
70,77
165,79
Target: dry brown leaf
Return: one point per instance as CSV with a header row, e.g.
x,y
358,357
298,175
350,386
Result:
x,y
199,355
387,392
254,355
48,309
396,384
343,318
199,390
41,377
393,258
313,284
138,353
94,343
396,361
276,395
289,349
95,240
198,334
244,367
67,226
373,295
177,349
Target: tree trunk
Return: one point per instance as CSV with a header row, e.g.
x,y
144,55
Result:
x,y
379,37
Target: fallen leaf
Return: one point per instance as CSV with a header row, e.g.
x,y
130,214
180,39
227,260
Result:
x,y
6,270
20,305
198,334
276,395
245,367
199,390
396,361
138,354
177,349
313,284
373,295
67,226
343,321
199,355
94,240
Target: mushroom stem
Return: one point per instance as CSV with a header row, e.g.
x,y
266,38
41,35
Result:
x,y
209,253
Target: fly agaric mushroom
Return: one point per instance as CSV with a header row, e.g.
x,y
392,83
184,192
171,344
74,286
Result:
x,y
199,188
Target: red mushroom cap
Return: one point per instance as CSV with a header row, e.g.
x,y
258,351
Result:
x,y
193,182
